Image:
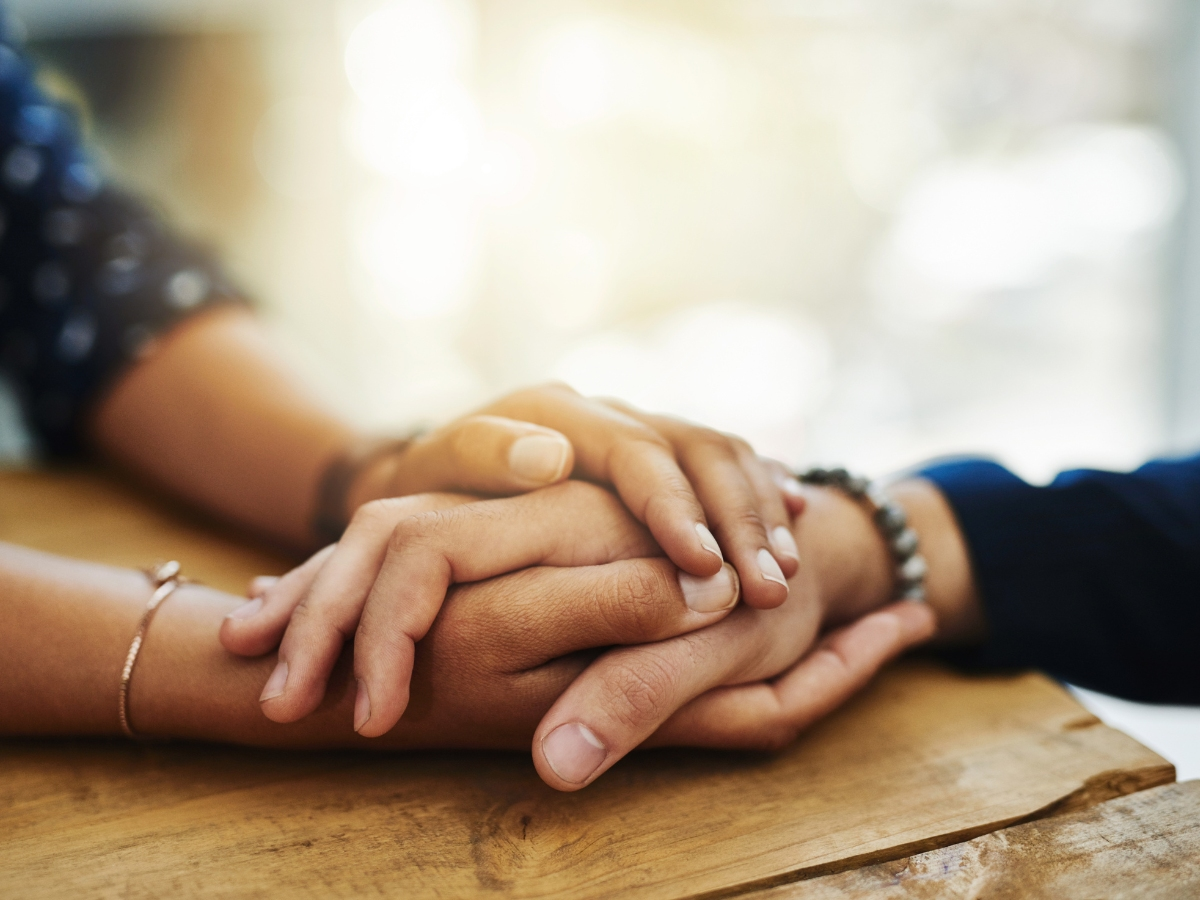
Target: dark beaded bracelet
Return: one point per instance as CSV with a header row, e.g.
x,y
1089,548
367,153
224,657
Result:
x,y
331,516
890,519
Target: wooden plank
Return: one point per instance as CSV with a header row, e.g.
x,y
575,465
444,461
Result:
x,y
923,759
1146,846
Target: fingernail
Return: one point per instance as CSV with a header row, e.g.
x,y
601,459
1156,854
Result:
x,y
539,458
710,594
262,584
791,486
246,610
276,683
362,707
573,752
708,542
784,543
769,569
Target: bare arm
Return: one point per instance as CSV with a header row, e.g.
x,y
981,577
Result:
x,y
214,417
65,626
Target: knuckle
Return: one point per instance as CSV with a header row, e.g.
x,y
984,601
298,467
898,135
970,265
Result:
x,y
419,528
559,388
642,689
747,518
637,602
371,513
637,439
714,442
669,498
382,513
463,437
311,621
403,533
740,446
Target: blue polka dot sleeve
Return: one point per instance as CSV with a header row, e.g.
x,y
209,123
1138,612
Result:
x,y
89,277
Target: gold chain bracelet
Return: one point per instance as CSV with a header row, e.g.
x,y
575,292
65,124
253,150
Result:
x,y
165,578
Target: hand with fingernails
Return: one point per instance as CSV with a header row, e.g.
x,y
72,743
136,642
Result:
x,y
386,579
385,582
705,496
514,658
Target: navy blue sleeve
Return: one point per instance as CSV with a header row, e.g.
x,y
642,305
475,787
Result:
x,y
89,277
1094,578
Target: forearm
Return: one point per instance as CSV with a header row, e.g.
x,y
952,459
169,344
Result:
x,y
215,418
62,626
65,627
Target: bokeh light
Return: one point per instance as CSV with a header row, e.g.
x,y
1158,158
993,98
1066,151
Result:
x,y
861,233
434,135
578,78
419,250
738,368
407,48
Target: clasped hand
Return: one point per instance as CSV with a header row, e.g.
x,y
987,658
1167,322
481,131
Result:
x,y
556,615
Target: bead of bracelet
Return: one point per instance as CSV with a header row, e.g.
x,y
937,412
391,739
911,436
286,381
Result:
x,y
891,521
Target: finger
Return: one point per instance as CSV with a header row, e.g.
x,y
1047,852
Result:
x,y
768,715
525,620
485,454
255,627
733,508
260,584
316,627
721,470
771,507
788,484
614,448
629,692
427,554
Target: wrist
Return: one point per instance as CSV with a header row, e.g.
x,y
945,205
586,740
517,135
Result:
x,y
364,469
950,582
851,562
375,479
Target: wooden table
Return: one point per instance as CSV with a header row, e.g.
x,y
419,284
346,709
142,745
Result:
x,y
910,783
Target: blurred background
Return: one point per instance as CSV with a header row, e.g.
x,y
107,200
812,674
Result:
x,y
866,232
863,232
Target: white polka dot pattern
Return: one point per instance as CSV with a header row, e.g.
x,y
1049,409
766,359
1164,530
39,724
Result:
x,y
89,278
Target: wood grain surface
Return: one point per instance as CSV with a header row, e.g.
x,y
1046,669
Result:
x,y
924,759
103,518
1144,846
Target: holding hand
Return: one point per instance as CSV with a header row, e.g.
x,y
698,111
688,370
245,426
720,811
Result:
x,y
504,651
385,582
398,557
705,496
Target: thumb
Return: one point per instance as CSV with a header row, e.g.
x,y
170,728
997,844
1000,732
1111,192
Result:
x,y
486,454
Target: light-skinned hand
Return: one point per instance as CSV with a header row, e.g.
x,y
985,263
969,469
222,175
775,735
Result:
x,y
504,651
385,582
705,496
